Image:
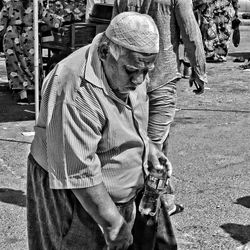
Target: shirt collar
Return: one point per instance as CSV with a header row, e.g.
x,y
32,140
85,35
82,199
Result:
x,y
93,68
94,72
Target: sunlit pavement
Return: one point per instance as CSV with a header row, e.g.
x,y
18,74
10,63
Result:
x,y
209,149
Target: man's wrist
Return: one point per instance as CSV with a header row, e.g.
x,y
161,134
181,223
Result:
x,y
113,229
115,224
113,220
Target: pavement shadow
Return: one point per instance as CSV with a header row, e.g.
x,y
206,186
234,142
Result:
x,y
11,112
186,120
243,201
11,196
238,232
246,55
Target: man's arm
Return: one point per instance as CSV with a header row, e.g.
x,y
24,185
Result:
x,y
97,202
191,36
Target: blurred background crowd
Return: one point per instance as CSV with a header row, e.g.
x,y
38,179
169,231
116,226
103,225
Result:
x,y
217,19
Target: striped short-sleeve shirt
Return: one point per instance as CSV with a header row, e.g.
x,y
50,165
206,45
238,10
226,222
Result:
x,y
86,135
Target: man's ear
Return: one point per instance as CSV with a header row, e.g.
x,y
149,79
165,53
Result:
x,y
103,51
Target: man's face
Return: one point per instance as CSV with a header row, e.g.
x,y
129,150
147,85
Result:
x,y
128,71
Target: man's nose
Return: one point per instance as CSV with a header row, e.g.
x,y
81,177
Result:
x,y
138,78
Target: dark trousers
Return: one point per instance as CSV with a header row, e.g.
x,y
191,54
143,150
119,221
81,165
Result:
x,y
153,234
57,221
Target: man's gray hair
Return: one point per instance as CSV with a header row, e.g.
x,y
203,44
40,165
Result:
x,y
115,49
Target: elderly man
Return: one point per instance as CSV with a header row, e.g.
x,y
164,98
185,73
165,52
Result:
x,y
90,150
175,19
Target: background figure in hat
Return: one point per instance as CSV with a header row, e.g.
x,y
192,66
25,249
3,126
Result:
x,y
90,150
90,4
175,20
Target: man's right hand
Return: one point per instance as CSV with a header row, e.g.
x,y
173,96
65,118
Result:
x,y
97,202
119,237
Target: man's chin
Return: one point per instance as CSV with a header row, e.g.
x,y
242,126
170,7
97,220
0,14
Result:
x,y
132,89
127,90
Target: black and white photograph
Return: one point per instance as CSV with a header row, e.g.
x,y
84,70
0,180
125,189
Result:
x,y
125,124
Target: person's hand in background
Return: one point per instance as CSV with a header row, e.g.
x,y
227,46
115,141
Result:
x,y
197,82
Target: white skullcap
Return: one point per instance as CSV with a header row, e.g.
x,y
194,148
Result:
x,y
134,31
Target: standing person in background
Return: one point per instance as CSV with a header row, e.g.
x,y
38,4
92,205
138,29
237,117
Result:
x,y
216,26
18,43
90,151
174,19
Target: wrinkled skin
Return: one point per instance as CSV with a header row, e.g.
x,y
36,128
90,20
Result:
x,y
128,71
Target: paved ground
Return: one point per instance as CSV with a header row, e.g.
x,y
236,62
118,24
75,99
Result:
x,y
209,149
210,153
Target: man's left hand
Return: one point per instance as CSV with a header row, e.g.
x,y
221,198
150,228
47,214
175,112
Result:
x,y
158,159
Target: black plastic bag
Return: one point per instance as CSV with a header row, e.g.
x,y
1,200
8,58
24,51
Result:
x,y
153,233
236,31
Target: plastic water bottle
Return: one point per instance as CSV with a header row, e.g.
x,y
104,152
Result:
x,y
156,182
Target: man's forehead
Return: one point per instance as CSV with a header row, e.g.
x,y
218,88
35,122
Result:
x,y
140,57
